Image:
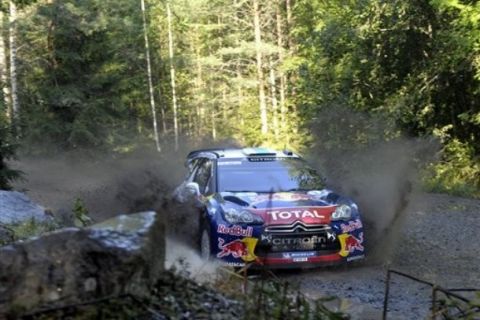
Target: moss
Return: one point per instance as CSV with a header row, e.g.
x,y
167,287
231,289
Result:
x,y
28,229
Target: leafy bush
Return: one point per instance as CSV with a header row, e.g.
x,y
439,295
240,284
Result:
x,y
458,172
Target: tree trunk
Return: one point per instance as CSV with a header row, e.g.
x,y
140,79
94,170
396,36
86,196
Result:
x,y
13,65
4,72
224,105
273,92
288,8
283,78
260,74
214,128
161,99
162,110
199,83
149,76
172,75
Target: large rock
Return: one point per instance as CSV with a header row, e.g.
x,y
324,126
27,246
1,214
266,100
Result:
x,y
122,255
16,207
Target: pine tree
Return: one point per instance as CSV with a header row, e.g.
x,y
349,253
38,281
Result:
x,y
7,152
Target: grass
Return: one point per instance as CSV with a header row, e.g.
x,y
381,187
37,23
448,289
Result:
x,y
28,229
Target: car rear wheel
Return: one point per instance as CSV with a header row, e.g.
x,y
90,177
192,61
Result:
x,y
205,244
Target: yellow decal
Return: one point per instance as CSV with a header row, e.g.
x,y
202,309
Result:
x,y
343,244
250,243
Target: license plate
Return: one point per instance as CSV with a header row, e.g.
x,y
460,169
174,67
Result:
x,y
302,259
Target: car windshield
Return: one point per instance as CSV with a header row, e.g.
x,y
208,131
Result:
x,y
267,175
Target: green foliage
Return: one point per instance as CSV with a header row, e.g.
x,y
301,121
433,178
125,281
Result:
x,y
275,300
457,173
80,213
18,3
411,68
412,64
7,152
81,84
30,228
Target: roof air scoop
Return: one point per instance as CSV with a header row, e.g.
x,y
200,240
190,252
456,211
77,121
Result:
x,y
259,152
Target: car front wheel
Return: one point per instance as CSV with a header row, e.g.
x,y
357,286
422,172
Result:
x,y
205,245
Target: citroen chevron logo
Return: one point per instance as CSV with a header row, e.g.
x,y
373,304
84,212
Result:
x,y
298,227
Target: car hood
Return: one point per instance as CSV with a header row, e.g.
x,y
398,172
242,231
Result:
x,y
312,207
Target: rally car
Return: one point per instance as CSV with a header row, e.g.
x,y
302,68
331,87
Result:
x,y
268,208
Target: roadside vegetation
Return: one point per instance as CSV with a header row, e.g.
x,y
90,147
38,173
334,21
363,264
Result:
x,y
25,230
7,152
79,217
77,75
176,296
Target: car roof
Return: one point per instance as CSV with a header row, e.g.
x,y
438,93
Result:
x,y
229,153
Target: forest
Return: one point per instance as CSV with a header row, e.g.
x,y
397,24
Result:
x,y
115,75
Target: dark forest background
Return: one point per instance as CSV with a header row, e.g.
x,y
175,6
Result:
x,y
300,74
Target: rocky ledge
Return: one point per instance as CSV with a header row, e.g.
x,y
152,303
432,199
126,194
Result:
x,y
123,255
16,207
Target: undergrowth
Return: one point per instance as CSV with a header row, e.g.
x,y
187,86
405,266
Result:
x,y
458,172
175,296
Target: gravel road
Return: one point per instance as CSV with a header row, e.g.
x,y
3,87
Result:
x,y
438,241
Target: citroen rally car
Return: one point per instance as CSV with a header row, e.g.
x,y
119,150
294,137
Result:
x,y
269,208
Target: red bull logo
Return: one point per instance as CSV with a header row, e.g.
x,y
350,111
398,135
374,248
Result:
x,y
350,243
239,248
236,248
235,230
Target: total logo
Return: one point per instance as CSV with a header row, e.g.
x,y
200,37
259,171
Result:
x,y
299,214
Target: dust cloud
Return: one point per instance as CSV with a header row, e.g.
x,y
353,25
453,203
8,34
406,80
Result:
x,y
379,172
112,184
109,184
185,259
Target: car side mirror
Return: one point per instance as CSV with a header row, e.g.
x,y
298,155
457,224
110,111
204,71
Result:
x,y
192,189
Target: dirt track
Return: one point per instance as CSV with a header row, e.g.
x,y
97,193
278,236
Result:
x,y
437,240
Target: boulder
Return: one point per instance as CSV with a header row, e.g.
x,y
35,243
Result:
x,y
16,207
123,255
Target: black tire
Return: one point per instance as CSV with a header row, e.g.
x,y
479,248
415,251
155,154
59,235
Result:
x,y
205,245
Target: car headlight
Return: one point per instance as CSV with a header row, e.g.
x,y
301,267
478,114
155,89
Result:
x,y
235,216
342,212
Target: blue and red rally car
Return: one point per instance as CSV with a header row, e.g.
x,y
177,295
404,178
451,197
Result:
x,y
269,208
